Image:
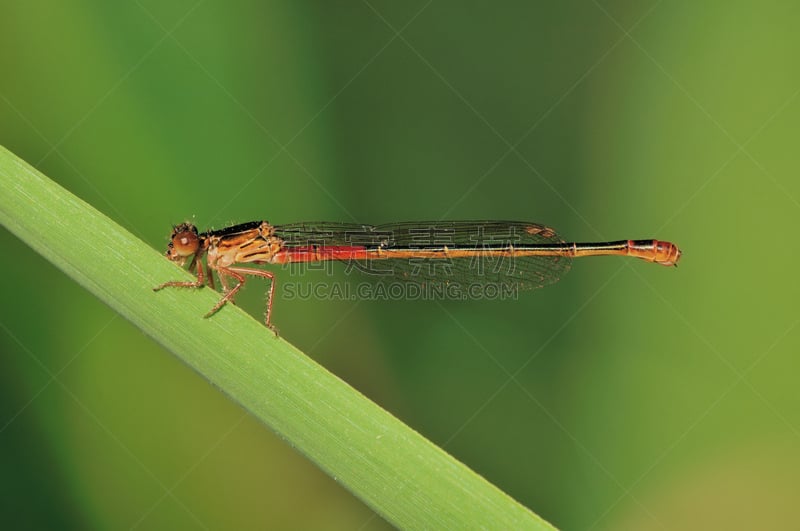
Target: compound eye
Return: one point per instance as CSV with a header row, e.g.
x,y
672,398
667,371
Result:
x,y
183,242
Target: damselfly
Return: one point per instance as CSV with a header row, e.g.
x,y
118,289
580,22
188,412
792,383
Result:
x,y
507,253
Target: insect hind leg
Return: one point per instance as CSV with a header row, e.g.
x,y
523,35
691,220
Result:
x,y
238,273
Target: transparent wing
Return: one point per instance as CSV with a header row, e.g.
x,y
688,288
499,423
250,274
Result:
x,y
439,252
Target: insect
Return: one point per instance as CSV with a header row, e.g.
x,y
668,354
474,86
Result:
x,y
509,253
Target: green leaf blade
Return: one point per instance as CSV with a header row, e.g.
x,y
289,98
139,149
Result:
x,y
399,473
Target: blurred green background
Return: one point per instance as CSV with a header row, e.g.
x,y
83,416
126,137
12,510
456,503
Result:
x,y
627,396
